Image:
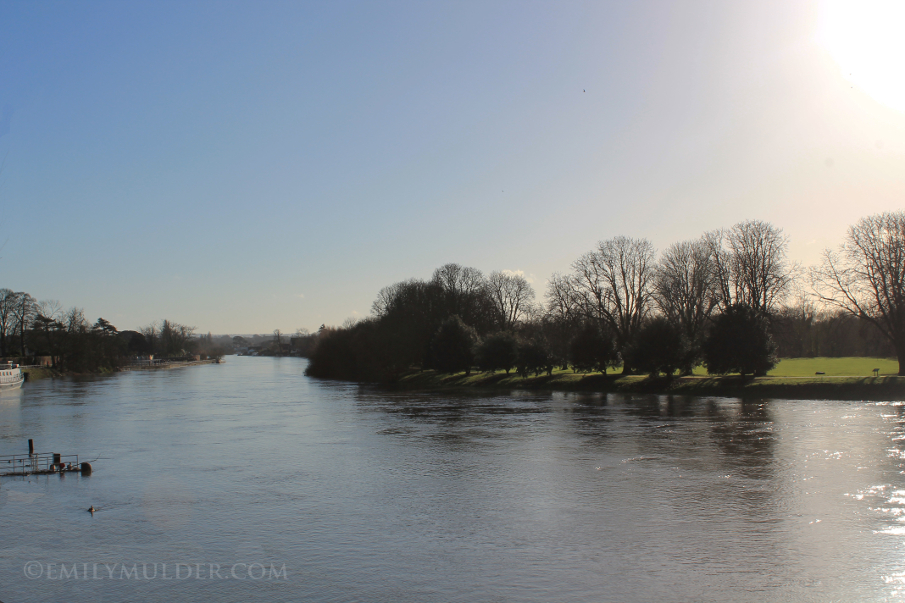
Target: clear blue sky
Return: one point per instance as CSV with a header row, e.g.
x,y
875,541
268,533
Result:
x,y
247,166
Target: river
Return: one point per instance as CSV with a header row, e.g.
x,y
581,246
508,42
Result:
x,y
248,481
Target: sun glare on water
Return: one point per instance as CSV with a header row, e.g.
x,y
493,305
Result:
x,y
867,40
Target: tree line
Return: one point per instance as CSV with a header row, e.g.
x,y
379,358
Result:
x,y
731,300
30,328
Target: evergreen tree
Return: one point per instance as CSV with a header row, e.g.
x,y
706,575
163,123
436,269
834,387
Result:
x,y
453,346
740,342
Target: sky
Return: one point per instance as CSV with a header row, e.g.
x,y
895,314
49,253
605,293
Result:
x,y
246,166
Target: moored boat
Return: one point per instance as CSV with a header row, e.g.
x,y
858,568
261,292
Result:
x,y
11,376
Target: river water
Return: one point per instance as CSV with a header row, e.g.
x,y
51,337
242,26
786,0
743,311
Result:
x,y
248,481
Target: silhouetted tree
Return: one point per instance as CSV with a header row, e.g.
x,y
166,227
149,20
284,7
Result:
x,y
135,343
739,342
660,346
24,309
278,340
534,357
465,295
410,313
685,287
174,338
453,346
593,350
866,277
511,295
751,265
7,320
794,329
610,286
497,351
561,321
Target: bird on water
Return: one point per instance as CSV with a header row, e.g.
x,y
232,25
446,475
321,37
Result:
x,y
91,509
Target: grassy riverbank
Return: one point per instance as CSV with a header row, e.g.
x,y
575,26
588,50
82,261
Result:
x,y
36,373
845,379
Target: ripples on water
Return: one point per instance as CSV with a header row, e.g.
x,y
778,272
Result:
x,y
373,495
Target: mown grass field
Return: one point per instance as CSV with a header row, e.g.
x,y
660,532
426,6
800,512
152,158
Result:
x,y
845,378
834,367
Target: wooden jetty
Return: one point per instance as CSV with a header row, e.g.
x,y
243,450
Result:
x,y
41,463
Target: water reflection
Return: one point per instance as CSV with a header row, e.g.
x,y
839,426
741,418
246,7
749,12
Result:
x,y
370,494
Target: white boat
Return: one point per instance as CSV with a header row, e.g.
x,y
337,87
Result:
x,y
10,376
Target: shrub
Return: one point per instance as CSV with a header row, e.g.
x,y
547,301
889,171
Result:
x,y
592,350
534,357
498,351
659,347
452,348
739,342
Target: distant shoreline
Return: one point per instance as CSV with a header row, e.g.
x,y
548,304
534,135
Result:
x,y
37,373
169,365
800,388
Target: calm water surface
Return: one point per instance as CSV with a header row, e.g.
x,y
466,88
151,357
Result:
x,y
369,495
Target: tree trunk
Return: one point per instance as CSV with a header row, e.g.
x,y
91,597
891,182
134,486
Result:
x,y
900,354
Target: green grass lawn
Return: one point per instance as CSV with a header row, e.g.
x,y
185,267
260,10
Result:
x,y
796,369
853,366
848,367
794,378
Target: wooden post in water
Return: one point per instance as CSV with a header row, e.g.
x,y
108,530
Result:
x,y
31,447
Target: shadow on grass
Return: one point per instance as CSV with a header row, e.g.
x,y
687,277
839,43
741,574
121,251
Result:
x,y
846,388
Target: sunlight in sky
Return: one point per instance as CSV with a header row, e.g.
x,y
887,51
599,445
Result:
x,y
210,163
866,39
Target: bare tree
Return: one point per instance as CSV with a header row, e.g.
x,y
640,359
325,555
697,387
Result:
x,y
151,333
794,327
24,309
459,280
173,337
563,318
512,296
751,264
462,287
49,308
561,303
387,296
7,322
74,320
610,285
686,286
278,338
866,276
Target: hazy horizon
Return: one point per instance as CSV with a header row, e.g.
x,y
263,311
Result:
x,y
249,166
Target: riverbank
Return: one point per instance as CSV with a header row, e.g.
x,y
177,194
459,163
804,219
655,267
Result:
x,y
37,373
800,388
169,365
